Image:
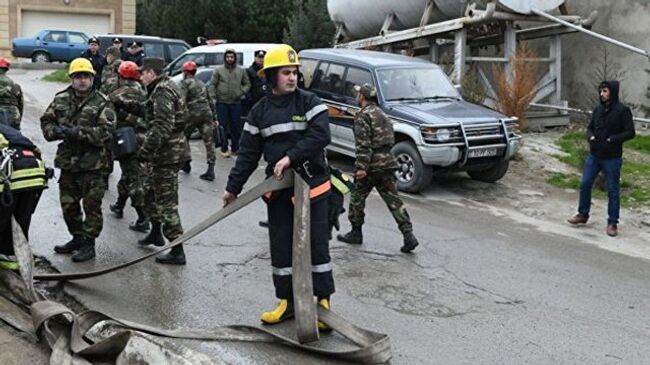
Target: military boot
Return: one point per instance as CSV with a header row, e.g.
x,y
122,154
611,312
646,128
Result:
x,y
142,224
410,242
155,237
74,244
355,236
85,252
282,312
176,256
209,173
187,167
118,207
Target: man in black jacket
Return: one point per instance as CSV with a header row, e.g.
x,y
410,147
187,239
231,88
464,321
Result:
x,y
611,125
93,55
258,88
290,128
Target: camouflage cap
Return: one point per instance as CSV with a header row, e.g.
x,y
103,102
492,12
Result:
x,y
113,51
153,63
367,90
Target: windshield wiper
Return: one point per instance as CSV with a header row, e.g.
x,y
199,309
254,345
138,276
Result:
x,y
439,97
425,98
405,99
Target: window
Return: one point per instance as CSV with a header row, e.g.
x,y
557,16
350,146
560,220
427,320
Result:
x,y
198,58
356,76
154,50
415,84
319,75
307,67
56,37
77,38
176,50
328,78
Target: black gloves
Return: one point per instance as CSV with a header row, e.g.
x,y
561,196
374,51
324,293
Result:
x,y
71,133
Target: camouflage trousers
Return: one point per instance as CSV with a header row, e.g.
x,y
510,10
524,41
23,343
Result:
x,y
204,125
85,190
130,184
10,116
161,197
386,185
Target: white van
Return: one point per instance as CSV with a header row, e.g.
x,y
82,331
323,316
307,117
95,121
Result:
x,y
212,55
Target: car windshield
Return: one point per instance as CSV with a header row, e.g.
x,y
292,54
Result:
x,y
415,84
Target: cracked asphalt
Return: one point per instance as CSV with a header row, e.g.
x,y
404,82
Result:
x,y
480,288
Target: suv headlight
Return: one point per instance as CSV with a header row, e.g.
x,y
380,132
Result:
x,y
443,135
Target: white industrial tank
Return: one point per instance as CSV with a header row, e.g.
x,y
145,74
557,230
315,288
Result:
x,y
364,18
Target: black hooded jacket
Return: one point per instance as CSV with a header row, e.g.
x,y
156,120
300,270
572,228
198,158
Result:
x,y
611,125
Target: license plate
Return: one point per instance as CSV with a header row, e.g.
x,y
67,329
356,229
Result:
x,y
483,152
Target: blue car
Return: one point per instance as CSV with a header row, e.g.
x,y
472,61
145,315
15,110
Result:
x,y
51,45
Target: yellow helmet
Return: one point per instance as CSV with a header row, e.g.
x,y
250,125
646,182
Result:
x,y
80,65
282,55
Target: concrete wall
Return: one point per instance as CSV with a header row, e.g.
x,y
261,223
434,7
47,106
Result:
x,y
625,20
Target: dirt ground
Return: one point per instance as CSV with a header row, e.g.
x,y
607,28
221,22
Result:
x,y
525,195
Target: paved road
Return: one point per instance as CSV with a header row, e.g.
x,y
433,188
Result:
x,y
481,288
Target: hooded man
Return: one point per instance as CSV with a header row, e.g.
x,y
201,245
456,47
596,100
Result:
x,y
611,125
228,86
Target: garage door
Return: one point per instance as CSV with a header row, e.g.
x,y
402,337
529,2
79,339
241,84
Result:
x,y
35,21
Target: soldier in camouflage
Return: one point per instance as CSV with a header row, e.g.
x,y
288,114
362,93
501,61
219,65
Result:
x,y
375,168
129,100
110,74
11,97
162,149
84,121
200,116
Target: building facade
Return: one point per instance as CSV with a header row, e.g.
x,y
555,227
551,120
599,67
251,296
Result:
x,y
25,18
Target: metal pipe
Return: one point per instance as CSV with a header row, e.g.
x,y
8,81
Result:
x,y
591,33
500,15
579,111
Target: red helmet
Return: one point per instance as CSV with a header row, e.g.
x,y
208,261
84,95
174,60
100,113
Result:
x,y
129,70
4,63
190,66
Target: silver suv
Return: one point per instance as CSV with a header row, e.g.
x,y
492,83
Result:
x,y
435,129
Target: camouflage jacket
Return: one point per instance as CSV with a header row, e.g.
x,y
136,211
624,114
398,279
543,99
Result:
x,y
196,97
110,77
129,101
95,117
373,136
165,112
11,100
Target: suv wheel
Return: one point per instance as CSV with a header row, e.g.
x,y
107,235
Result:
x,y
412,174
492,174
40,57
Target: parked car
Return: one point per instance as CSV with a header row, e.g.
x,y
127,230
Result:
x,y
51,45
165,48
212,55
435,129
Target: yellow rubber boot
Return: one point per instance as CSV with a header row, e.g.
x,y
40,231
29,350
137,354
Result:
x,y
9,265
283,311
325,303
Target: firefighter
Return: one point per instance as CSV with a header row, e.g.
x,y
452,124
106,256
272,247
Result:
x,y
290,128
22,180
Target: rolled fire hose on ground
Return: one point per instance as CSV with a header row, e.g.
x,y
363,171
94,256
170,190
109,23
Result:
x,y
66,332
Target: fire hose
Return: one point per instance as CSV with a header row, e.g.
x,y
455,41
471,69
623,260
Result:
x,y
66,332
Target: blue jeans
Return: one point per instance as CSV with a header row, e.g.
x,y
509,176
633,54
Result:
x,y
229,116
612,169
